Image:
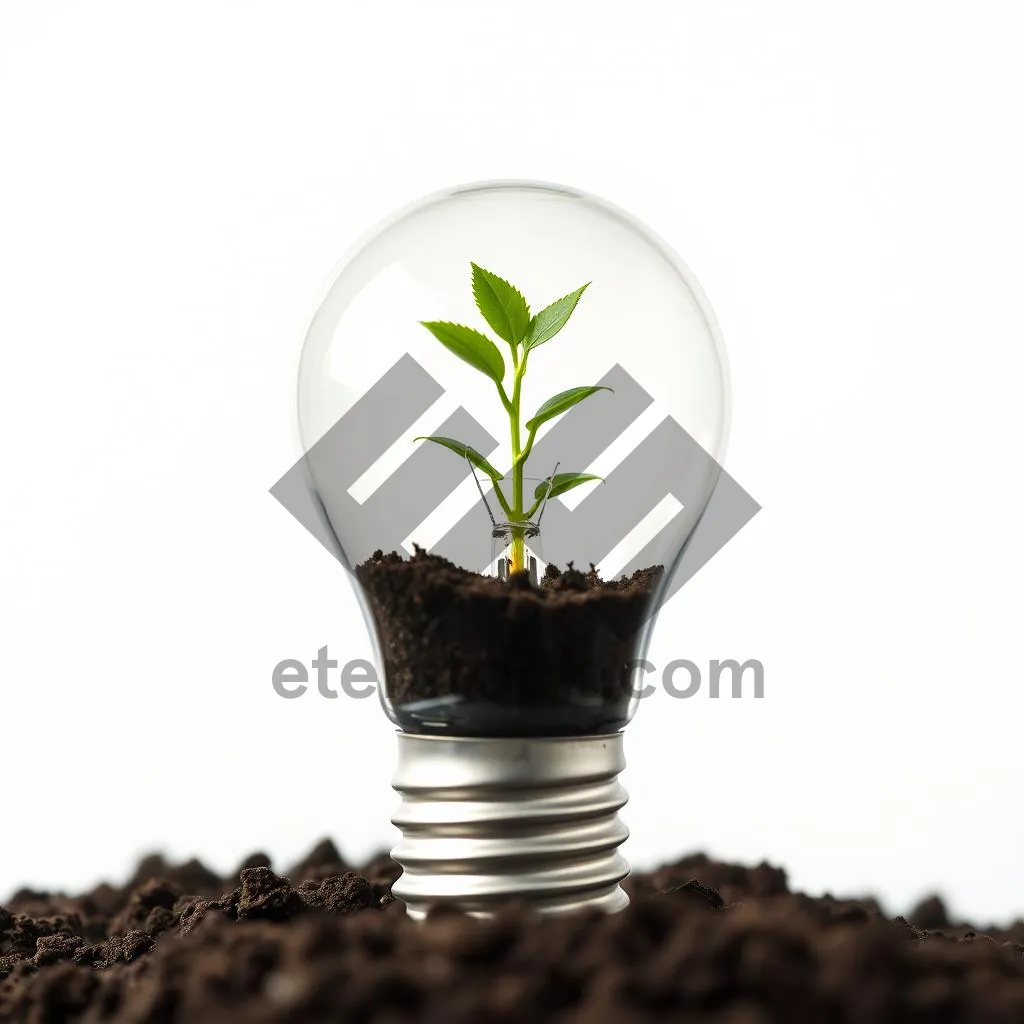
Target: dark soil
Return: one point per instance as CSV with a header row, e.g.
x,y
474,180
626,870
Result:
x,y
702,942
468,654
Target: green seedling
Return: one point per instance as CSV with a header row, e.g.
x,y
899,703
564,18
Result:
x,y
508,315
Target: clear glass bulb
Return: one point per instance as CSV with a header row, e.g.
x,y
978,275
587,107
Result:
x,y
459,657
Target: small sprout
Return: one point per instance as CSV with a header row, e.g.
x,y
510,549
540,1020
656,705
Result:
x,y
507,314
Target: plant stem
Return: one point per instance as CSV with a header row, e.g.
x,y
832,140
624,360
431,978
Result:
x,y
517,557
517,465
518,553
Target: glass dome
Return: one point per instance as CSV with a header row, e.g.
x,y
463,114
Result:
x,y
378,374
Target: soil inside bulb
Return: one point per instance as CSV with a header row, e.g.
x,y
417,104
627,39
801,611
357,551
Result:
x,y
472,655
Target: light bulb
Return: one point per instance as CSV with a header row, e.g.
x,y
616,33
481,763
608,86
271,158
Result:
x,y
503,381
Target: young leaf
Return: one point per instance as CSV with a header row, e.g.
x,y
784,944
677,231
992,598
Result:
x,y
501,304
550,320
561,403
463,450
562,482
475,348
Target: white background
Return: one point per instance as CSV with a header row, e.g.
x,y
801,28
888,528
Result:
x,y
177,183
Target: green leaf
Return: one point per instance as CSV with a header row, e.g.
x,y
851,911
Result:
x,y
561,403
475,348
501,304
562,482
551,319
463,450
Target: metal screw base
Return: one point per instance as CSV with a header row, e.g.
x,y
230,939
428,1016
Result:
x,y
485,820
